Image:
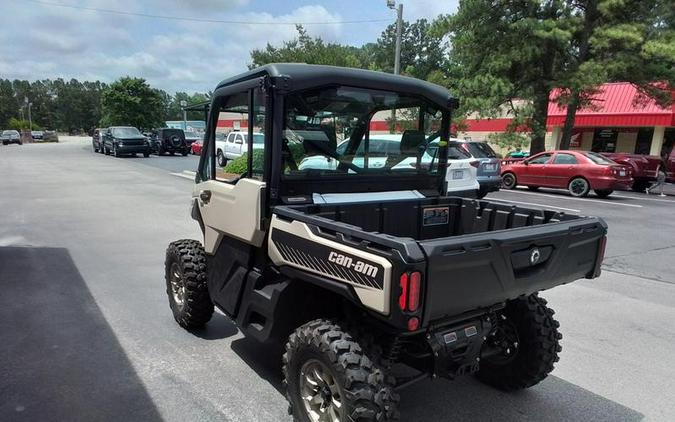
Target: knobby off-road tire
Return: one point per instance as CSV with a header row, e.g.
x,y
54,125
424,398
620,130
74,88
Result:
x,y
325,363
536,350
185,274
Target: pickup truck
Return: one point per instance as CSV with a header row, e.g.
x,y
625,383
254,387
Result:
x,y
644,167
357,269
234,145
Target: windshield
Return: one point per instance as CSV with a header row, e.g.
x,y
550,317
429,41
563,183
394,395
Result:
x,y
599,159
350,131
190,134
125,132
10,132
480,150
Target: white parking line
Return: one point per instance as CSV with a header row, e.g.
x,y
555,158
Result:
x,y
566,198
532,203
184,176
643,199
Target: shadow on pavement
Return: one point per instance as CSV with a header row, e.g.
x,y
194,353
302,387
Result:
x,y
218,328
466,399
60,359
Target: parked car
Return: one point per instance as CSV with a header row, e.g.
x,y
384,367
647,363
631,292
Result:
x,y
644,167
10,137
125,140
461,170
50,136
235,145
97,139
169,140
577,171
489,164
196,148
37,134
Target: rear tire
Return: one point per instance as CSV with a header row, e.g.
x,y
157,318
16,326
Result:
x,y
222,161
640,186
146,154
579,187
533,188
185,153
325,364
509,181
186,283
534,352
603,193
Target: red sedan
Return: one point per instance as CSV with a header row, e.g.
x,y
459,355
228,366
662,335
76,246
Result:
x,y
576,171
196,147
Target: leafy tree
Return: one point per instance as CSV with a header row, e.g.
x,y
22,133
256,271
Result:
x,y
505,51
174,110
9,107
306,49
618,40
18,124
131,101
422,50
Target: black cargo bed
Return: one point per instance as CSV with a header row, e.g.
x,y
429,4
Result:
x,y
477,253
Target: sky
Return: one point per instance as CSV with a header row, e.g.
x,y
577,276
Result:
x,y
41,40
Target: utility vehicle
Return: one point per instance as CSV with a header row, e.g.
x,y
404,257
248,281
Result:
x,y
363,270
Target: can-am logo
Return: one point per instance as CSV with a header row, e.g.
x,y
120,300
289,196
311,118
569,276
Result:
x,y
358,266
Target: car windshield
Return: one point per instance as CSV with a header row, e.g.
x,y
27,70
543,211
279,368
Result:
x,y
346,130
10,132
190,134
480,150
125,132
599,159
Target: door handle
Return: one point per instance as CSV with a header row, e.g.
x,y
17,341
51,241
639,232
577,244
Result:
x,y
205,196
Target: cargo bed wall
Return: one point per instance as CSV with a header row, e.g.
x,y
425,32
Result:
x,y
433,218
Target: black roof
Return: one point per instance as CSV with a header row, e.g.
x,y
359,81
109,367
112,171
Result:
x,y
303,76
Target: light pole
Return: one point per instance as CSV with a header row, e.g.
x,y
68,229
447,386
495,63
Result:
x,y
183,104
397,55
399,24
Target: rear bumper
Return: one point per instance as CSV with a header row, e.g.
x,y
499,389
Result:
x,y
611,184
11,141
133,149
490,183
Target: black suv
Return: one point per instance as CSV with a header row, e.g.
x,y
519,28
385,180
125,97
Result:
x,y
169,140
125,140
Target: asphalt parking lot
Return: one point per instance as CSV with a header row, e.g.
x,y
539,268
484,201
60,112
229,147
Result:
x,y
87,333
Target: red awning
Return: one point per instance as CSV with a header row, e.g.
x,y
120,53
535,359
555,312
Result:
x,y
616,104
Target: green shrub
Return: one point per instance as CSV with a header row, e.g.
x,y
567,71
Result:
x,y
240,164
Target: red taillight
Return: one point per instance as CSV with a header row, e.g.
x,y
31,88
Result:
x,y
413,324
414,291
403,299
410,291
475,163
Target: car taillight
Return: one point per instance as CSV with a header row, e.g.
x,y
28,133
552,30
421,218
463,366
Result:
x,y
475,163
410,283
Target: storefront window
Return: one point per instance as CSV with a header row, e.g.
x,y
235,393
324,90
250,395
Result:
x,y
604,140
644,140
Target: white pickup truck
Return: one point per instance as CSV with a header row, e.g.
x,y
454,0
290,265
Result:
x,y
235,144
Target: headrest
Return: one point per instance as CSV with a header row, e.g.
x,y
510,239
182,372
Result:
x,y
411,141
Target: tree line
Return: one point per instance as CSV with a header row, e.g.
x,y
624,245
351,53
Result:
x,y
496,56
72,106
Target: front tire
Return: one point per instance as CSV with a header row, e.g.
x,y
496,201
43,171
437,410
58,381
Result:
x,y
603,193
328,376
146,154
579,187
509,181
529,342
186,283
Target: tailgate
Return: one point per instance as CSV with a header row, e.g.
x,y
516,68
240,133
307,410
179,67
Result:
x,y
484,269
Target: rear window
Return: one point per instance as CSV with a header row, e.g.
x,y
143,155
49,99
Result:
x,y
480,150
599,159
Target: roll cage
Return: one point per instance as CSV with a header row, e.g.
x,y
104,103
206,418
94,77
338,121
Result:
x,y
277,82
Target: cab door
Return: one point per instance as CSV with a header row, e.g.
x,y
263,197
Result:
x,y
230,208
